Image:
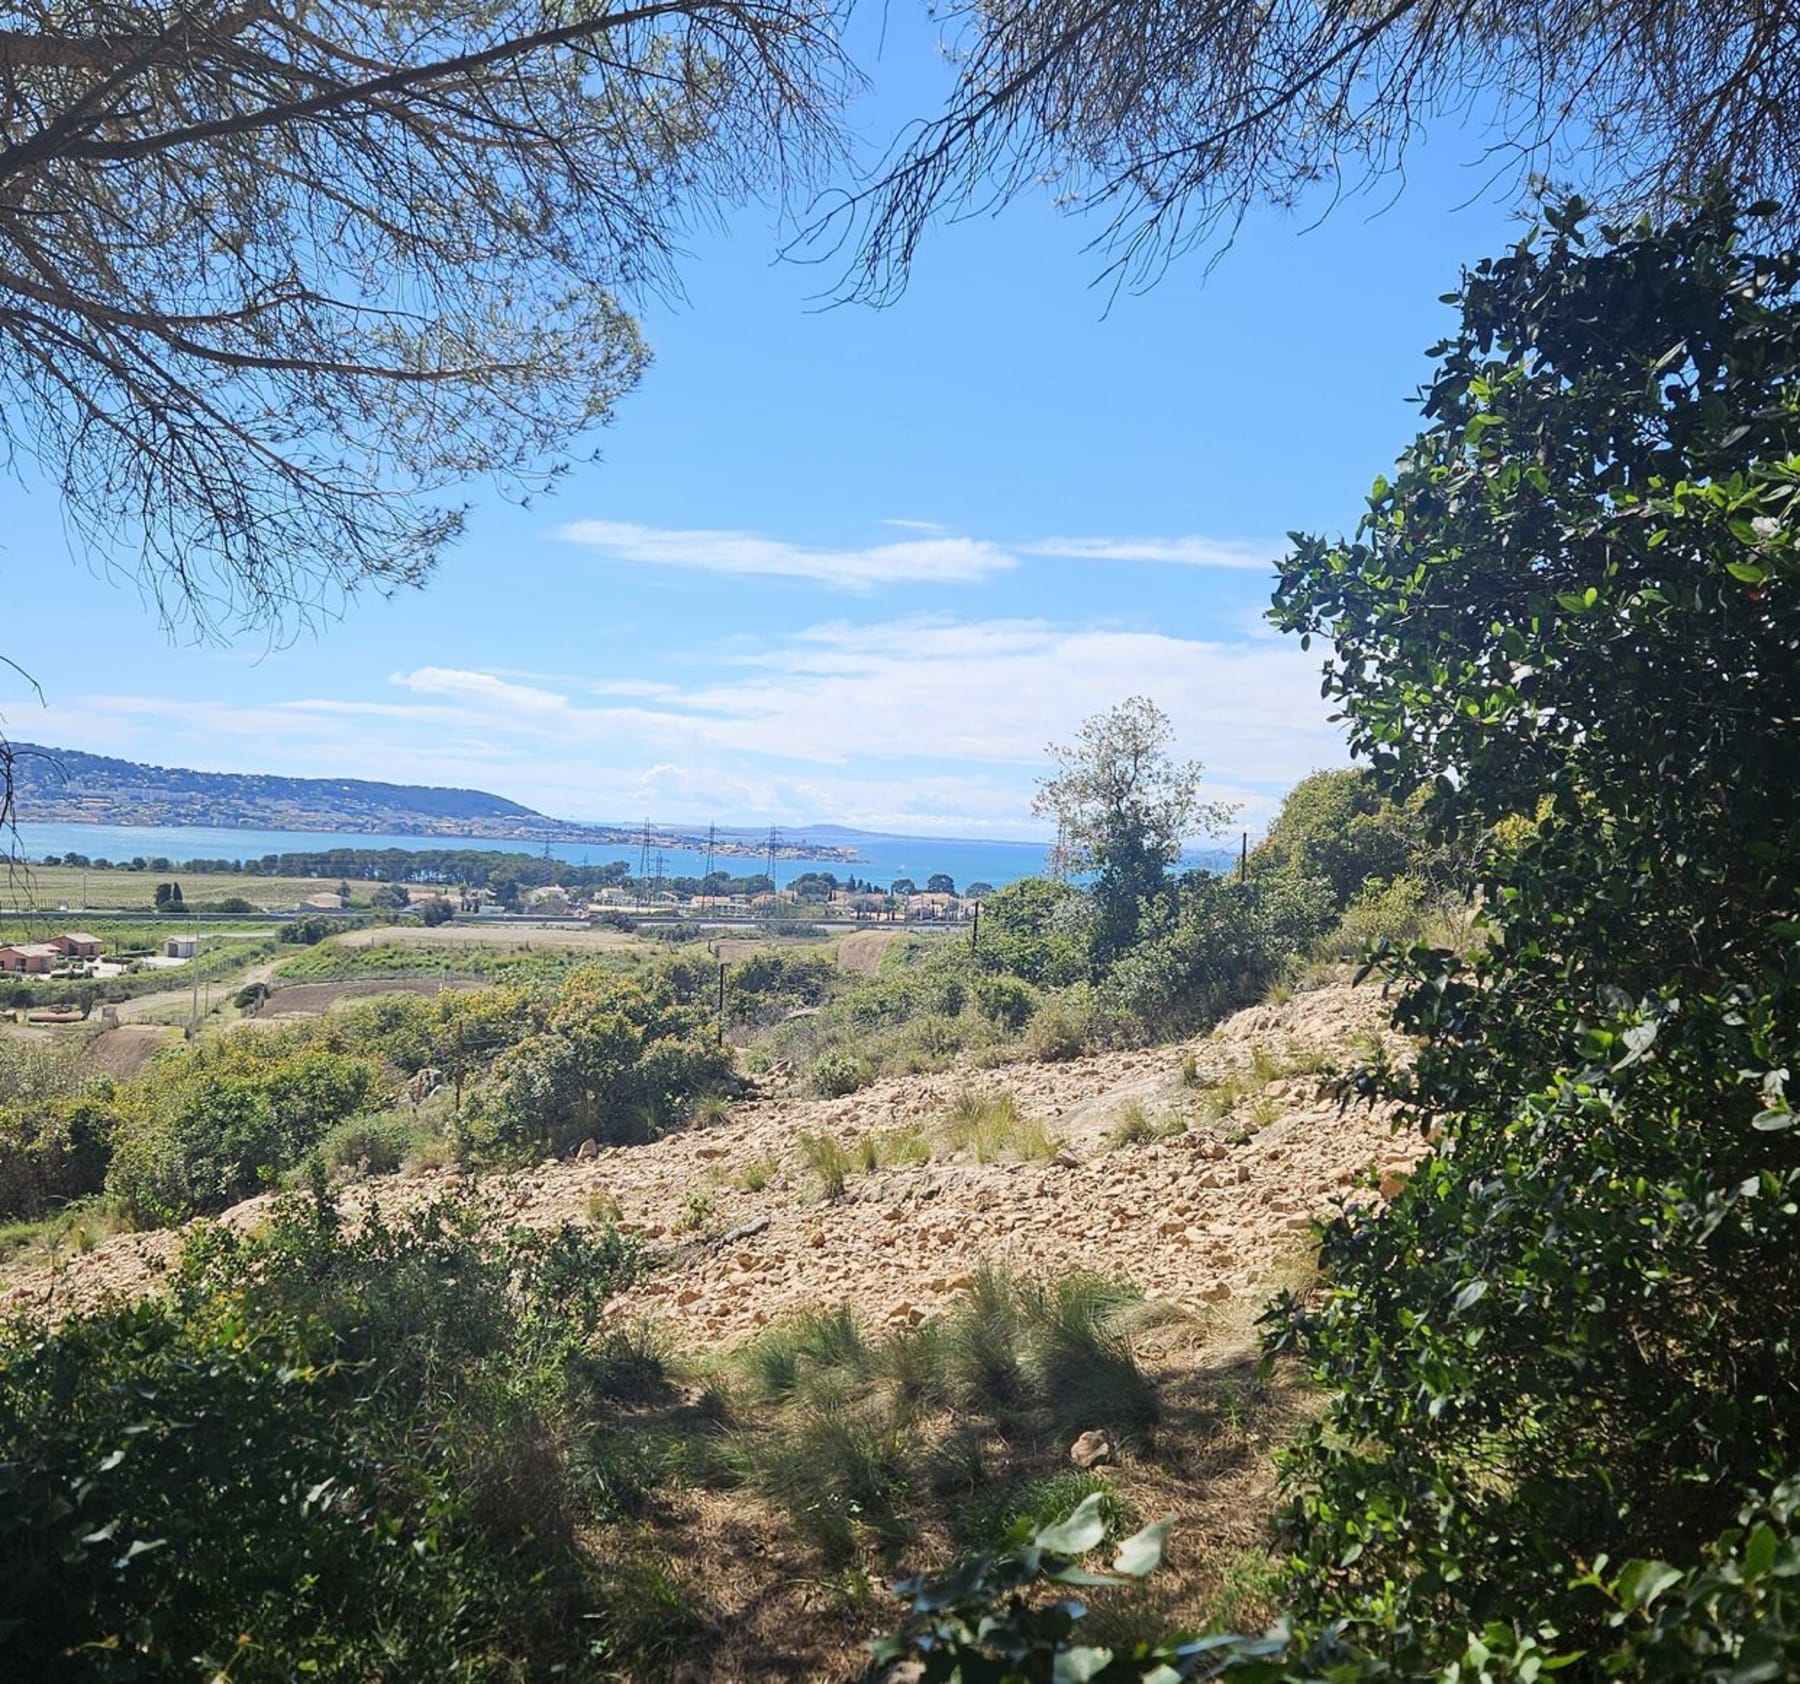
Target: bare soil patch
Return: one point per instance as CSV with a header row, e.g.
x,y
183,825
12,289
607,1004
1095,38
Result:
x,y
310,999
123,1052
861,954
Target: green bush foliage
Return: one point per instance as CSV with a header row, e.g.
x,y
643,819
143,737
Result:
x,y
835,1074
224,1120
1213,944
612,1058
1339,827
321,1455
1571,1339
1036,929
378,1144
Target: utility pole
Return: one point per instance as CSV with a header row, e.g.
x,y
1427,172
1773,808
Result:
x,y
975,927
774,840
1244,858
721,1003
712,842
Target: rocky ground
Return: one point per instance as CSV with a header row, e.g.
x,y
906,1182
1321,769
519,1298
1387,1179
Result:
x,y
1205,1215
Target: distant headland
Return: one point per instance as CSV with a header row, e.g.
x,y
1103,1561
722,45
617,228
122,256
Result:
x,y
70,786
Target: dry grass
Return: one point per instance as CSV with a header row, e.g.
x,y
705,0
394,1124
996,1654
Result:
x,y
990,1128
820,1462
509,938
42,887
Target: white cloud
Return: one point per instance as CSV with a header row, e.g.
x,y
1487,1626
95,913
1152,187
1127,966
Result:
x,y
481,690
1193,551
930,560
929,725
916,525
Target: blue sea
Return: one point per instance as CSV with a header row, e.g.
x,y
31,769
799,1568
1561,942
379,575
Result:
x,y
883,858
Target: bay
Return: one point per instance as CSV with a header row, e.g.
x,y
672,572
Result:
x,y
882,858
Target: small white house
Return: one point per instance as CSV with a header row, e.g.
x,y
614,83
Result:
x,y
181,947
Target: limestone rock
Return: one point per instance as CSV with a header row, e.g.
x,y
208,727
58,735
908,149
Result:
x,y
1092,1450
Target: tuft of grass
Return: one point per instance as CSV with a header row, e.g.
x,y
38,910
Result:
x,y
985,1347
712,1108
1248,1594
905,1148
1263,1067
838,1466
1264,1110
649,1620
754,1177
1083,1359
995,1518
821,1346
74,1230
603,1210
1190,1068
914,1363
856,1438
375,1145
1136,1127
991,1129
828,1160
868,1154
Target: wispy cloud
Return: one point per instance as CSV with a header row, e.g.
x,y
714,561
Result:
x,y
930,724
916,525
1191,551
932,560
481,690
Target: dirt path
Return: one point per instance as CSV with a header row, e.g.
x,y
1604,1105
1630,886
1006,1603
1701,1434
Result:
x,y
143,1007
743,1238
861,953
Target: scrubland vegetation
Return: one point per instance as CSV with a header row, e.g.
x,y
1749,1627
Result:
x,y
1556,1413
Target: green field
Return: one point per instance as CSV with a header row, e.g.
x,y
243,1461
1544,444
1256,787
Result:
x,y
44,888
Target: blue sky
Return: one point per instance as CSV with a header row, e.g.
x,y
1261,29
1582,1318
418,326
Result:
x,y
846,565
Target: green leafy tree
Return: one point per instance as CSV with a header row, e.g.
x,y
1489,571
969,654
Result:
x,y
1337,825
1123,805
940,883
1578,597
1036,929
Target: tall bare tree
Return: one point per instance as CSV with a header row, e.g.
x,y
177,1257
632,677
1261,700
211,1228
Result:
x,y
275,274
1172,117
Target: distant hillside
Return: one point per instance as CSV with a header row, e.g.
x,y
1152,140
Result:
x,y
61,785
67,786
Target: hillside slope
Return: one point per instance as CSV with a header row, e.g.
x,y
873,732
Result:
x,y
743,1238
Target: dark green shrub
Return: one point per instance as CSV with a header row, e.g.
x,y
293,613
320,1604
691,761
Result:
x,y
310,930
1006,1000
1214,945
377,1144
837,1074
214,1127
1036,929
615,1059
1572,1336
319,1456
52,1152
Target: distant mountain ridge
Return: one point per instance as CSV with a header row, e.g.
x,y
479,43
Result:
x,y
70,786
